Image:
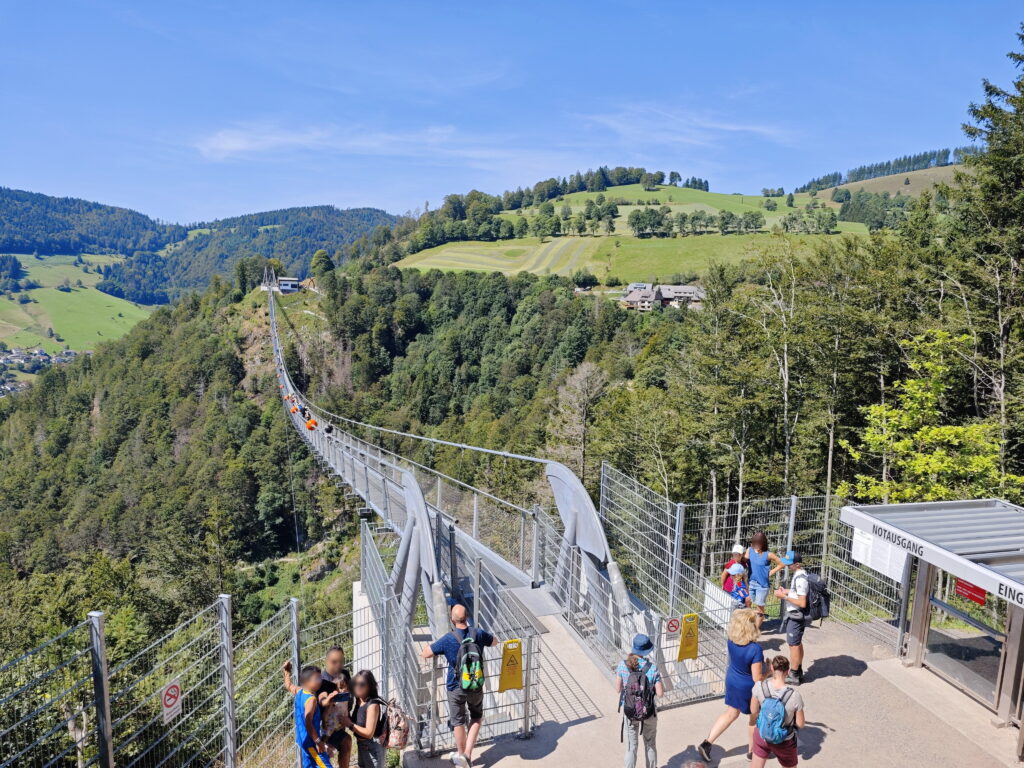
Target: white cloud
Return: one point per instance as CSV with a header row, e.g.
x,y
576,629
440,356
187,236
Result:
x,y
646,125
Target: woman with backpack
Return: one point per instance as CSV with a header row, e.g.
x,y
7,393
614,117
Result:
x,y
746,667
367,720
638,682
778,711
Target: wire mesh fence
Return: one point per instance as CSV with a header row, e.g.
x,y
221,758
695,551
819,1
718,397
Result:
x,y
673,554
263,708
183,668
47,704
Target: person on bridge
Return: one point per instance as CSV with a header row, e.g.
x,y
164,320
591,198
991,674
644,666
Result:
x,y
794,618
759,557
746,667
638,683
465,692
333,677
367,721
308,720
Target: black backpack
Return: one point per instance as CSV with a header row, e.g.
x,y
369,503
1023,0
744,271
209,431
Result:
x,y
819,599
638,695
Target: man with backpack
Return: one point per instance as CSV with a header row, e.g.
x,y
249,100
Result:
x,y
638,682
778,711
806,599
463,648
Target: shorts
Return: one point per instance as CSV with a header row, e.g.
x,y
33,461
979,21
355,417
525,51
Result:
x,y
338,738
785,752
459,701
759,594
794,628
310,758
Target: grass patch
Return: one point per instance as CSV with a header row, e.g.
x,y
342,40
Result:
x,y
82,316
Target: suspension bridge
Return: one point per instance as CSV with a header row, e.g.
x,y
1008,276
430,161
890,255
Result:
x,y
540,569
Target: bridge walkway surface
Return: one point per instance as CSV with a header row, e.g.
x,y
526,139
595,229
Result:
x,y
860,711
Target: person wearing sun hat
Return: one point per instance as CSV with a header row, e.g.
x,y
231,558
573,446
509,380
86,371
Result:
x,y
637,663
794,619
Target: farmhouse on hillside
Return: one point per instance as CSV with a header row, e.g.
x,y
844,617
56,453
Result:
x,y
678,296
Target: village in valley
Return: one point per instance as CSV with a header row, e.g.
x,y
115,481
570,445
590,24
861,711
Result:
x,y
28,361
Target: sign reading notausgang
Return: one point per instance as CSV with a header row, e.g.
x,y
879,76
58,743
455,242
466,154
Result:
x,y
978,575
511,678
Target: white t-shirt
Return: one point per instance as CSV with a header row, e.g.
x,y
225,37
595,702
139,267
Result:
x,y
797,588
793,704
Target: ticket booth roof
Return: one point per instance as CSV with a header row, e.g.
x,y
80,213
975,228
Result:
x,y
986,532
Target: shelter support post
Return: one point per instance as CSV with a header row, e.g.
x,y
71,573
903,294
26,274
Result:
x,y
1010,674
926,574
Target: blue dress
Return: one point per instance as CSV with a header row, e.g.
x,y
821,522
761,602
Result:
x,y
738,680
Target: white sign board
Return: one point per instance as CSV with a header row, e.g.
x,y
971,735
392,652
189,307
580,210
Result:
x,y
878,554
672,628
170,700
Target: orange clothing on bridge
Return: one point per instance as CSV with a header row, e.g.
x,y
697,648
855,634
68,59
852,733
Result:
x,y
311,424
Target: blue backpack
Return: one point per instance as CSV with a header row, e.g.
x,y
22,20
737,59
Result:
x,y
771,720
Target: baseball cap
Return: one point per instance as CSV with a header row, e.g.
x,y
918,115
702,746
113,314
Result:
x,y
736,569
737,549
792,557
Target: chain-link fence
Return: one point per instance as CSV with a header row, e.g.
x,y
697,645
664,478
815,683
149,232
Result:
x,y
47,704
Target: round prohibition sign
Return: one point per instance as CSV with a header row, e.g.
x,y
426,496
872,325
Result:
x,y
171,696
672,626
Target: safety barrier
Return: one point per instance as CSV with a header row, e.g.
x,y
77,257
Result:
x,y
679,551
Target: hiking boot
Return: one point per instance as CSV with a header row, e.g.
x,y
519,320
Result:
x,y
793,679
705,750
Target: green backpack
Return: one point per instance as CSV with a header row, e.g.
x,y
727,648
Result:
x,y
470,663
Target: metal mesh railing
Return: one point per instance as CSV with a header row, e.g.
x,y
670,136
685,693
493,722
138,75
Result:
x,y
47,710
190,657
263,709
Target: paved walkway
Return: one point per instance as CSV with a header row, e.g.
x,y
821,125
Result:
x,y
861,711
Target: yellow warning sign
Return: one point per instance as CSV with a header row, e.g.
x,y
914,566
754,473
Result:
x,y
688,638
511,666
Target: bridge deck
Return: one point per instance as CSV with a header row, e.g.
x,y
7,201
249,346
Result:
x,y
861,711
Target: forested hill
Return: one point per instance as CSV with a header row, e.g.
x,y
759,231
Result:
x,y
290,235
162,261
34,223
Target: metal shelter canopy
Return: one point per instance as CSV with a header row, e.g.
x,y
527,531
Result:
x,y
981,541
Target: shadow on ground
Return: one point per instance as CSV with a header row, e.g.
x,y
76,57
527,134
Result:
x,y
836,666
538,747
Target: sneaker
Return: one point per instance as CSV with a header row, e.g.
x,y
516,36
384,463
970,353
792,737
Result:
x,y
705,749
793,679
460,760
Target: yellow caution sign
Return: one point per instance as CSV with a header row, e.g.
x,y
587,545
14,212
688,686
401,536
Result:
x,y
511,666
688,636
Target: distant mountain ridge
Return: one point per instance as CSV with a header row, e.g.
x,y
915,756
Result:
x,y
164,260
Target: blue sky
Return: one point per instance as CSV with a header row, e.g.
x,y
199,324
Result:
x,y
196,110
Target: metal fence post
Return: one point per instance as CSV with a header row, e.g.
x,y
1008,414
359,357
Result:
x,y
101,689
453,565
476,516
792,522
527,688
522,540
439,492
433,704
677,554
293,610
227,677
385,639
476,593
535,570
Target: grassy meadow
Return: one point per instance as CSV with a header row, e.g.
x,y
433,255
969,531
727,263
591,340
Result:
x,y
83,316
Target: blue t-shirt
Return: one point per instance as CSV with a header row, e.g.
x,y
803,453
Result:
x,y
758,567
302,737
653,675
448,646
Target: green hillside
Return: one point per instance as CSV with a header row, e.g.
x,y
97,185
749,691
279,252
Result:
x,y
621,254
81,315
